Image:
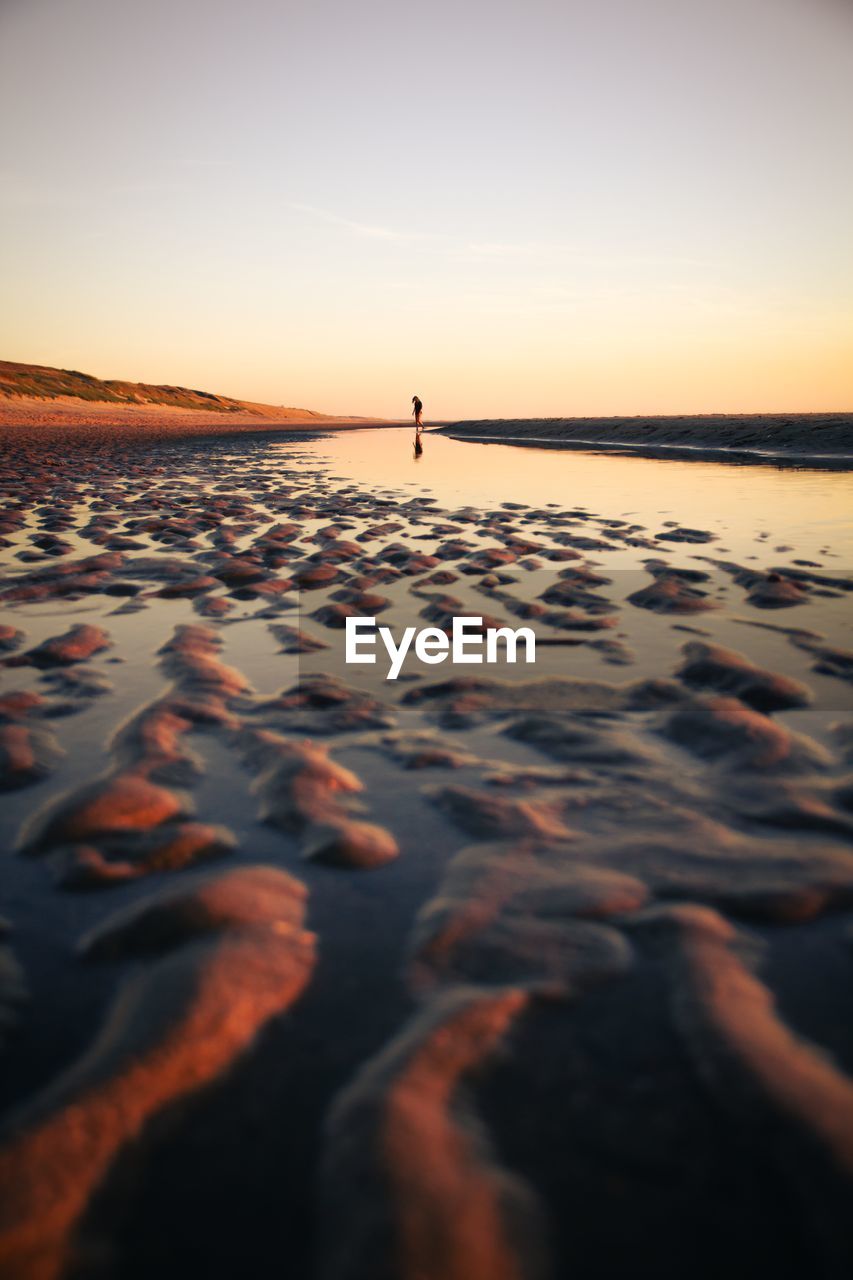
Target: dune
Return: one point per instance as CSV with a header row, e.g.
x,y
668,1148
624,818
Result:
x,y
32,395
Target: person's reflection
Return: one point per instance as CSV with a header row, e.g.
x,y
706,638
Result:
x,y
418,445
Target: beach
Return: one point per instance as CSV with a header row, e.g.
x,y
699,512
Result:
x,y
70,414
500,971
426,641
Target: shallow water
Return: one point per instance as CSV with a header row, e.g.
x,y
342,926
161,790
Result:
x,y
755,509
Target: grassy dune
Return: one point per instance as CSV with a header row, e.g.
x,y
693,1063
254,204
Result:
x,y
46,383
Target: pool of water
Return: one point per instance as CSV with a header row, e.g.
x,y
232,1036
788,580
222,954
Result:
x,y
766,512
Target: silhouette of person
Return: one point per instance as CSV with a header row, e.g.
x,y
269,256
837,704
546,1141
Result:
x,y
418,446
418,411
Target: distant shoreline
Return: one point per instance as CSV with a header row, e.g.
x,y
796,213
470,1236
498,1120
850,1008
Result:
x,y
815,440
822,441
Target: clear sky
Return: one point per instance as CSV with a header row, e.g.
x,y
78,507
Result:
x,y
508,207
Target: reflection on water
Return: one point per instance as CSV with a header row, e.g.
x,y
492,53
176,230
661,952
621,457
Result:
x,y
755,510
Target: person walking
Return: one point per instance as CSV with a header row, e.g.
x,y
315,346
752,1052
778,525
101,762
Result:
x,y
418,411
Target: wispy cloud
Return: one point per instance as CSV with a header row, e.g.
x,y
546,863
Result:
x,y
538,252
368,230
497,249
537,255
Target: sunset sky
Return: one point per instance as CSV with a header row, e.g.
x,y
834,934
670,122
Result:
x,y
535,207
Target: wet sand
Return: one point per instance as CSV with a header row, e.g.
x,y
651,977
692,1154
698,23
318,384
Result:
x,y
822,440
480,973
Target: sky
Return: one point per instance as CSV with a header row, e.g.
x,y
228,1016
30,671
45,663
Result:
x,y
508,207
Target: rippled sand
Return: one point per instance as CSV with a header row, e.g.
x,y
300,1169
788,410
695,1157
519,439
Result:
x,y
468,975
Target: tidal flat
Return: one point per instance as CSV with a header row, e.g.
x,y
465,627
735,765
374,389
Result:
x,y
483,972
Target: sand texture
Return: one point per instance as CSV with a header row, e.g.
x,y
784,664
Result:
x,y
72,414
482,974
